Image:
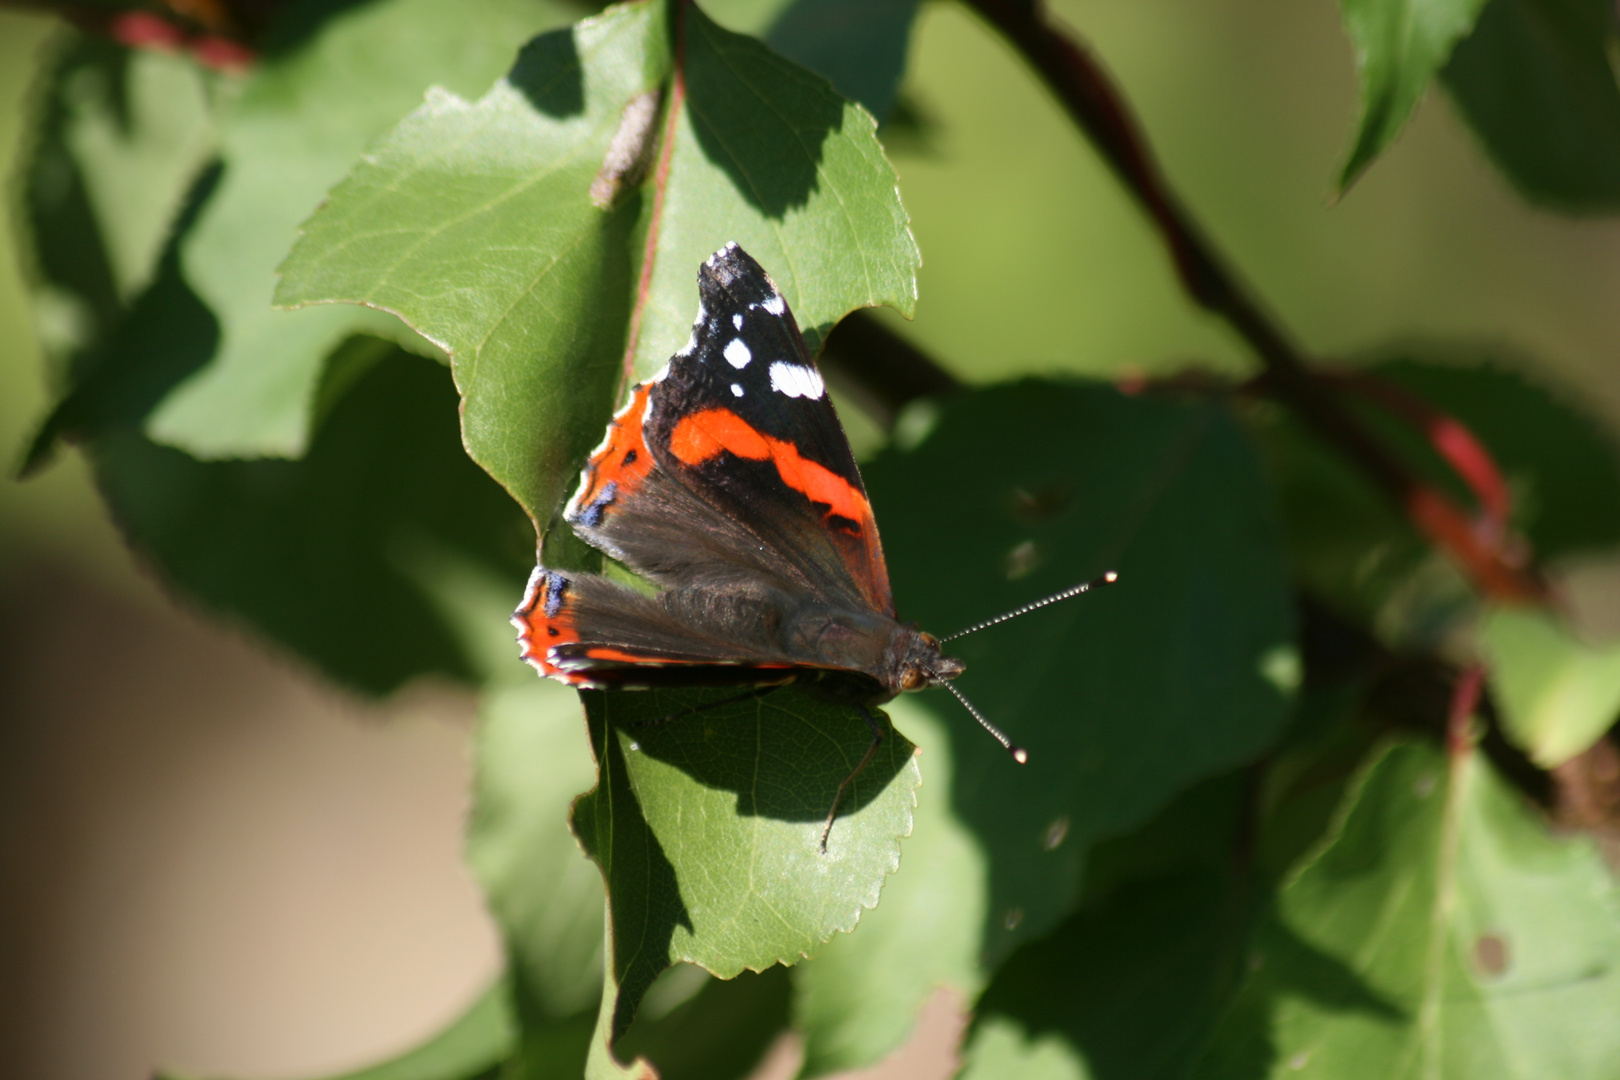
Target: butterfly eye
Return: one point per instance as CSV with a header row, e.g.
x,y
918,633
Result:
x,y
913,679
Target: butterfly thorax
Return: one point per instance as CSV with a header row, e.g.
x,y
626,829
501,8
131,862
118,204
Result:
x,y
896,656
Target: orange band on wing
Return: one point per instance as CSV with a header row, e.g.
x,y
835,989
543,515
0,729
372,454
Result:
x,y
701,436
625,656
618,466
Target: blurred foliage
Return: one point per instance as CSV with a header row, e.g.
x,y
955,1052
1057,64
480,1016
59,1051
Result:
x,y
1246,842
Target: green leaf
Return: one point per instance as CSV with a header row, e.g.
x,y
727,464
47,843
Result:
x,y
140,126
1349,546
532,758
326,556
477,224
1127,988
108,169
474,223
708,831
1536,82
1123,698
859,998
136,355
1558,695
857,45
1443,932
321,94
1131,984
766,154
1399,45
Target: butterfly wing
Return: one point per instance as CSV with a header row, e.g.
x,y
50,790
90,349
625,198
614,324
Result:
x,y
730,469
589,631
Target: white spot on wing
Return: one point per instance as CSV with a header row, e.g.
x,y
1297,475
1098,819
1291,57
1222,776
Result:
x,y
795,380
736,390
773,304
737,354
736,320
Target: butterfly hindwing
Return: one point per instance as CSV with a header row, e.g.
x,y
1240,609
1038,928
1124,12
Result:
x,y
589,631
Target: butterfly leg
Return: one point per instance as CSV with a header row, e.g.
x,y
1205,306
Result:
x,y
871,752
748,695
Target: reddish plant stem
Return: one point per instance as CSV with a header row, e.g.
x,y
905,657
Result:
x,y
666,150
1080,84
1449,437
1465,696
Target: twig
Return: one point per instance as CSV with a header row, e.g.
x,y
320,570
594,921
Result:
x,y
879,369
666,150
1080,84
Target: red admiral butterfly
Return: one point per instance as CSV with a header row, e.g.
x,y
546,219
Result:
x,y
728,482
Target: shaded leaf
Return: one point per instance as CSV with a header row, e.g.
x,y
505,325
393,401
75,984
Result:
x,y
1536,82
766,154
1558,695
1349,546
324,556
720,1031
477,224
708,830
140,126
1399,46
857,45
283,145
1125,697
137,356
1443,932
859,998
1123,991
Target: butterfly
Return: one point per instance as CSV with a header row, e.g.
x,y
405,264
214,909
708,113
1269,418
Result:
x,y
728,483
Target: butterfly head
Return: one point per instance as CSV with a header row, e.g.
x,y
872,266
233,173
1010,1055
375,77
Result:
x,y
923,664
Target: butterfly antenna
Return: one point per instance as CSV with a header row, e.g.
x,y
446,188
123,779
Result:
x,y
1019,754
1073,590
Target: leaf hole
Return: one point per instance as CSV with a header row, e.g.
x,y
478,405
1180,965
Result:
x,y
1022,560
1056,833
1491,955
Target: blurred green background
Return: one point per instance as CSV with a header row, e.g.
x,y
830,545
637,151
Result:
x,y
1034,261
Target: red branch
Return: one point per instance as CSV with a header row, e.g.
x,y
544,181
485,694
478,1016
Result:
x,y
1465,696
1080,84
1449,437
649,255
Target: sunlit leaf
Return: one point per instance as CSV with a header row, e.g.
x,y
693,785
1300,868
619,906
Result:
x,y
488,228
708,830
1558,695
326,88
859,998
1399,46
1444,932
